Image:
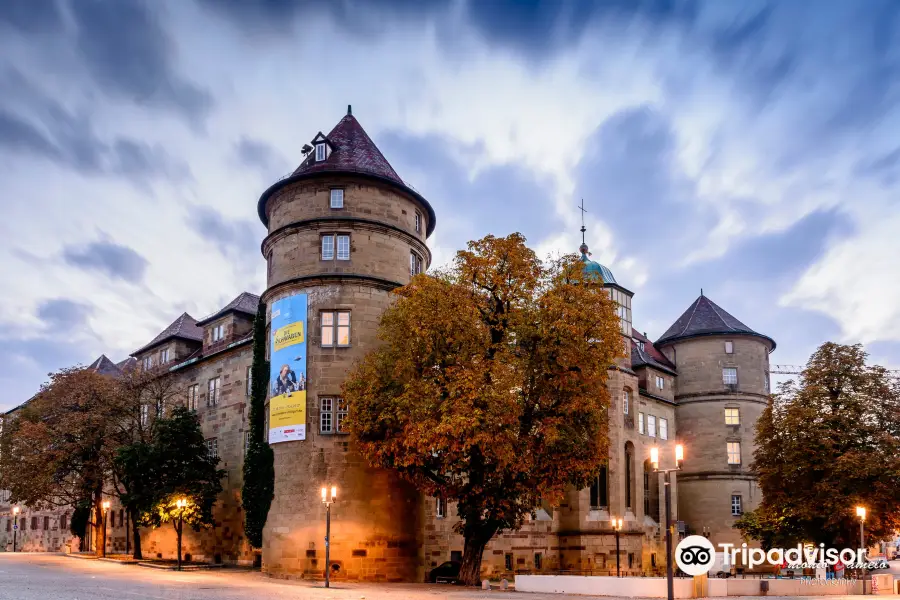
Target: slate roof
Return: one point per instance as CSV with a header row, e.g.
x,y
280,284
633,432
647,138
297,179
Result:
x,y
104,366
354,152
127,364
649,356
246,303
184,327
705,317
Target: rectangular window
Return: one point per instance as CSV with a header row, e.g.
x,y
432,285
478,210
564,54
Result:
x,y
418,222
112,518
651,426
734,453
660,382
732,416
337,198
538,562
737,508
339,415
663,429
415,264
335,328
8,525
508,562
328,247
148,363
121,517
343,247
218,333
145,415
163,356
326,415
249,380
47,523
440,507
729,376
729,347
62,522
212,397
192,393
34,523
640,422
320,152
598,491
626,397
212,447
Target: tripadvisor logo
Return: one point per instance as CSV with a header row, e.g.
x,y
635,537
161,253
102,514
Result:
x,y
695,555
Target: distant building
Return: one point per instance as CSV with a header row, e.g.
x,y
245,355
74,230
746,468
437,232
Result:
x,y
345,229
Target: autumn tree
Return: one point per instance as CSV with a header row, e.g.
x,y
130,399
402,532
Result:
x,y
826,443
489,389
56,448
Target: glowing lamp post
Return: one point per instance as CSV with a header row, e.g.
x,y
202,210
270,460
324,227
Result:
x,y
654,460
617,526
328,501
861,513
180,504
15,512
105,505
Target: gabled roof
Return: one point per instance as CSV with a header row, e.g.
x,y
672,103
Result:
x,y
649,356
127,364
104,366
705,317
246,303
184,327
353,152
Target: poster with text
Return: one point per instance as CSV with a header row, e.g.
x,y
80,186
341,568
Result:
x,y
287,381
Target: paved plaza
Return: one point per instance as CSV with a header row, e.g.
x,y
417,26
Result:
x,y
25,576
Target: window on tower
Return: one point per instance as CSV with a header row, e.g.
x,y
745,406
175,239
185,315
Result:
x,y
337,198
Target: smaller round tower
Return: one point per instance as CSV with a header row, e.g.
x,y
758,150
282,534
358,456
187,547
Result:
x,y
722,388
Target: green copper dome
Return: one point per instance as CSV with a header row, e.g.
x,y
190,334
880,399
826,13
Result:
x,y
594,268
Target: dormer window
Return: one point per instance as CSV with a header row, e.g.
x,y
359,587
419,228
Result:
x,y
320,151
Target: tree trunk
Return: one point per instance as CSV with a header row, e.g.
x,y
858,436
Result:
x,y
136,534
476,538
99,529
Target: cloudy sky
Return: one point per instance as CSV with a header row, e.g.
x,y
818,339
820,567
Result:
x,y
746,148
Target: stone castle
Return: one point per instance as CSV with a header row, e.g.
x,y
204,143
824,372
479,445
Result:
x,y
345,229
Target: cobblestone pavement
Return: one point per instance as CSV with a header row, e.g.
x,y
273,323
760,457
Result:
x,y
25,576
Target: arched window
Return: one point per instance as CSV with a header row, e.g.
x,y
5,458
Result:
x,y
600,490
651,492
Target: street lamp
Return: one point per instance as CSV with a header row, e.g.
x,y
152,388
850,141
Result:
x,y
328,501
105,504
654,459
861,513
15,511
180,504
617,526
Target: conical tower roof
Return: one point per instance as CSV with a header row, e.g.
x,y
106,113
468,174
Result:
x,y
704,317
351,152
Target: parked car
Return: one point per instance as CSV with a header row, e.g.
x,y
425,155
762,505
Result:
x,y
447,572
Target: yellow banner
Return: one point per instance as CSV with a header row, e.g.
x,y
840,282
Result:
x,y
287,409
289,335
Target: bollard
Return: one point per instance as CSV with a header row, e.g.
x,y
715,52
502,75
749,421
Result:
x,y
485,585
504,584
763,587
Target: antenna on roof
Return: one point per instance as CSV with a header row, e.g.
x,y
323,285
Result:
x,y
701,291
349,110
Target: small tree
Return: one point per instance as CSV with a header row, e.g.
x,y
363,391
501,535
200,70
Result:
x,y
490,387
259,463
826,443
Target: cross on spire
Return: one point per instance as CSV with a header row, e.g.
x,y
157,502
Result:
x,y
582,220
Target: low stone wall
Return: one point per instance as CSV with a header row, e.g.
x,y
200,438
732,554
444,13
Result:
x,y
655,587
628,587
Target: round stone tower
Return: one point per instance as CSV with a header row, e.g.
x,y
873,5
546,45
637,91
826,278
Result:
x,y
722,388
345,230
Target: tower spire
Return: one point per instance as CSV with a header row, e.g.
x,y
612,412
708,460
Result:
x,y
582,221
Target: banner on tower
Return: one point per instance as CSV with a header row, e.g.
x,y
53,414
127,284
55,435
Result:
x,y
287,357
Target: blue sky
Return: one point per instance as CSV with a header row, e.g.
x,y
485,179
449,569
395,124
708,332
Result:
x,y
746,148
